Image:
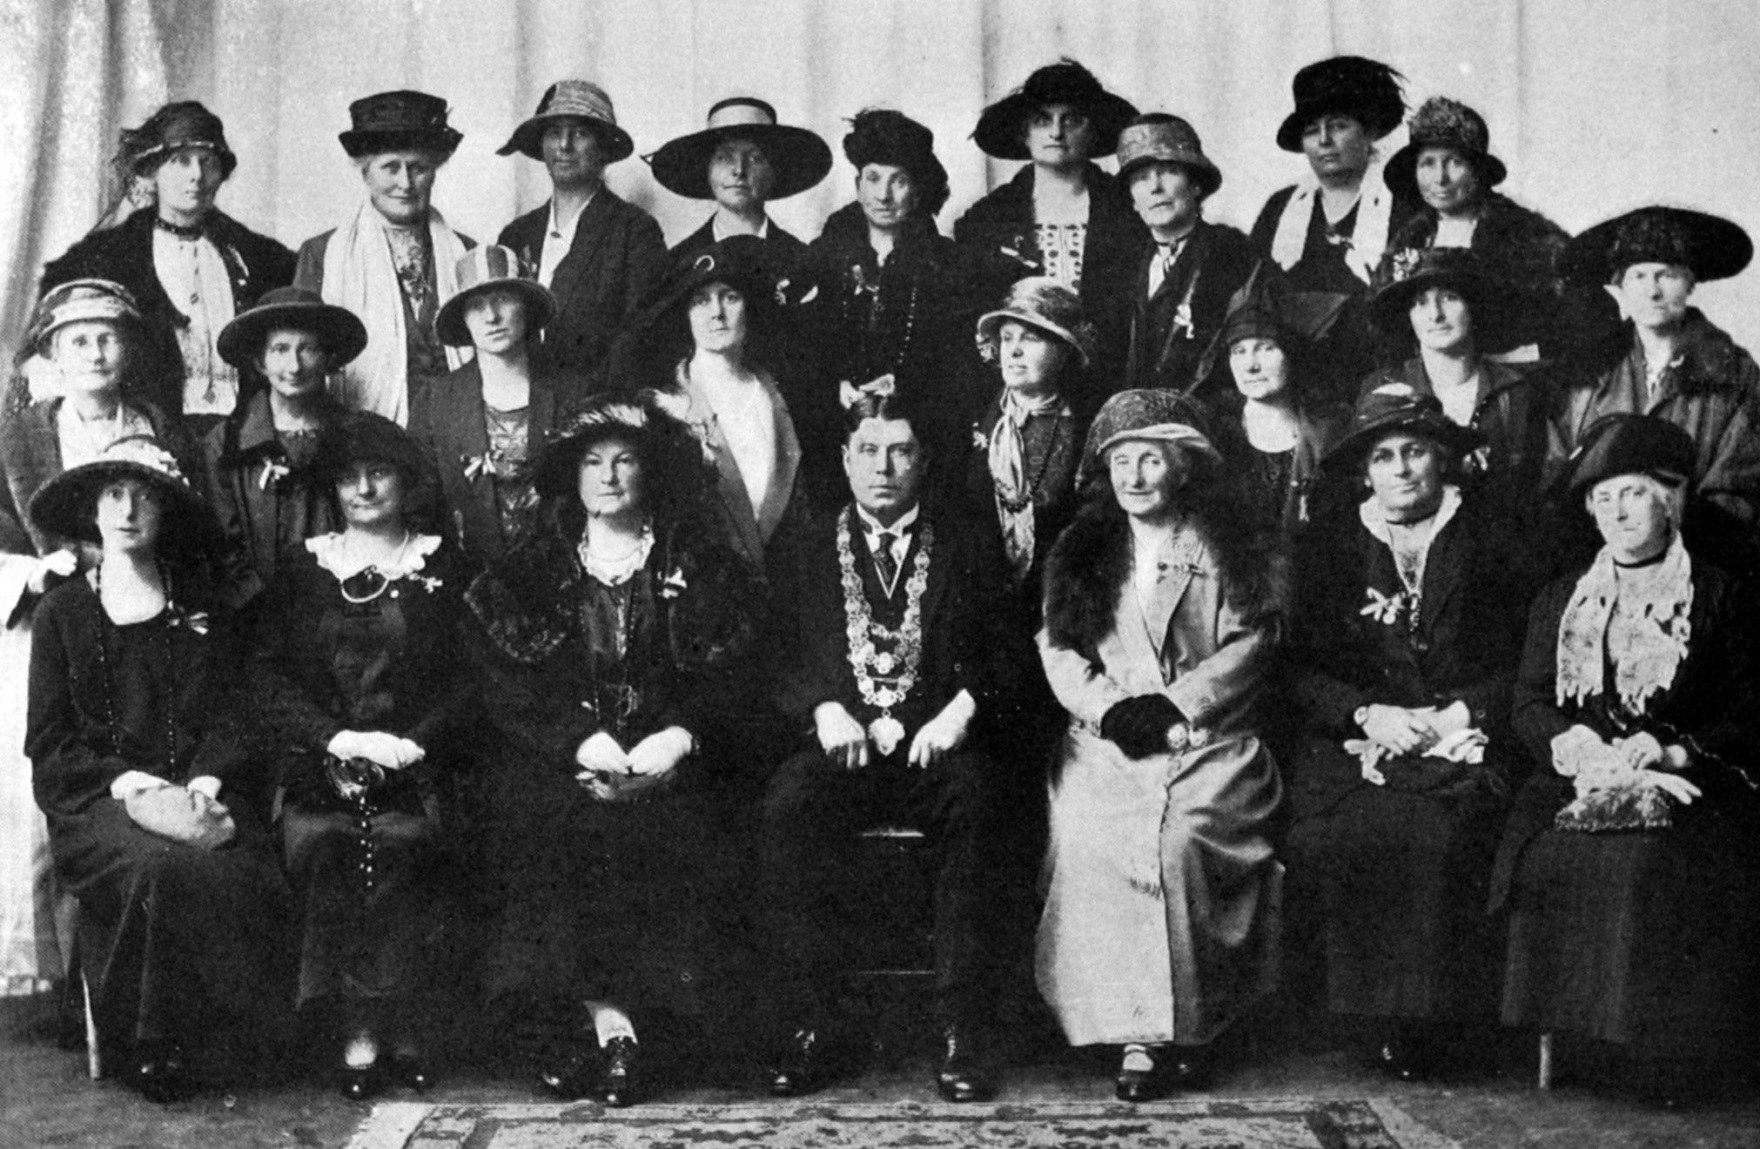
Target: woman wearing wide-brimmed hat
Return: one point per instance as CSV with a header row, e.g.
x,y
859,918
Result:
x,y
1060,216
1447,314
257,465
1185,269
1629,862
483,423
742,160
607,648
1403,651
1329,231
714,339
1161,886
1448,169
600,256
392,263
189,266
359,695
885,301
1668,359
153,801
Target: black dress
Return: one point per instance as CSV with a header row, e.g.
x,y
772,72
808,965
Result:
x,y
365,869
1388,878
177,943
1644,938
606,900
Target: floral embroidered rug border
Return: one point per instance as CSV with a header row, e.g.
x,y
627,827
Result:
x,y
1279,1123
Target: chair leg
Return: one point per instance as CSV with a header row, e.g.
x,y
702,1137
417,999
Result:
x,y
1545,1081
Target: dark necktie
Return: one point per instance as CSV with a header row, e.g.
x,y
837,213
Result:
x,y
883,560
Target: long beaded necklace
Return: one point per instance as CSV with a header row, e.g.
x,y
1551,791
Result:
x,y
874,668
168,680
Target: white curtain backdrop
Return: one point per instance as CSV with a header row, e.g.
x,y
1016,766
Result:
x,y
1595,105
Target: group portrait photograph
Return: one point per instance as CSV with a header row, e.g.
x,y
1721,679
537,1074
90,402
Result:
x,y
901,573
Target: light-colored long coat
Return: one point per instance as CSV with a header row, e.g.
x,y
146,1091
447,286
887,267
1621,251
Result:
x,y
1161,909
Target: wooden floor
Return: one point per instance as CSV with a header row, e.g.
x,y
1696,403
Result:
x,y
46,1098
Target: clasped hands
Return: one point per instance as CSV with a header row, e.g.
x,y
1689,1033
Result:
x,y
611,774
1401,731
1593,763
845,741
189,814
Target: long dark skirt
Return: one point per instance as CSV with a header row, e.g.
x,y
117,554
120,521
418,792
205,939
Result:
x,y
1648,939
178,943
368,893
1392,886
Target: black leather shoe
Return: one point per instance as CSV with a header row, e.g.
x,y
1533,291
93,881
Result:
x,y
359,1083
162,1076
961,1076
620,1084
410,1068
799,1066
1136,1084
573,1075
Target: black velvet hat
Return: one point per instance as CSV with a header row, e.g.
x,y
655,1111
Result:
x,y
1626,444
185,124
399,121
799,158
1711,246
1000,130
1367,90
1396,407
883,136
1460,270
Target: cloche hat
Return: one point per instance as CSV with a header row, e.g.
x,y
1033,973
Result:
x,y
1042,302
1158,415
1627,444
799,157
483,268
184,124
1365,89
999,131
571,99
1159,137
79,300
1444,123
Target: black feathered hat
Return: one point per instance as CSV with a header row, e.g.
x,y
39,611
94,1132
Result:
x,y
1710,246
1000,128
1366,90
883,136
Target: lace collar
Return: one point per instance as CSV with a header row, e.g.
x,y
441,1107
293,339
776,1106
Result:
x,y
407,560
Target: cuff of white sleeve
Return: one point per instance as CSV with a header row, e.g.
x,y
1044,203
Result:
x,y
132,782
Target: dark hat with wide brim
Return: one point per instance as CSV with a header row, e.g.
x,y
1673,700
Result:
x,y
1458,269
571,100
489,267
1001,127
1627,444
798,157
1396,408
399,121
1367,90
185,124
1443,123
292,309
1710,246
66,506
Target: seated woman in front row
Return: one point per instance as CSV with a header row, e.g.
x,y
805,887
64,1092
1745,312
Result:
x,y
184,914
607,648
1405,643
1630,861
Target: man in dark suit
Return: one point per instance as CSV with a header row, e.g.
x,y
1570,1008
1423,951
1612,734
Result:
x,y
600,257
896,654
1189,269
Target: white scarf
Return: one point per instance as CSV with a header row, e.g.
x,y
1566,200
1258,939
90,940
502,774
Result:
x,y
1368,239
359,274
1008,472
1647,653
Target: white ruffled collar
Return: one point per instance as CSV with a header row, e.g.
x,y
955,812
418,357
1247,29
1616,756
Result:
x,y
408,559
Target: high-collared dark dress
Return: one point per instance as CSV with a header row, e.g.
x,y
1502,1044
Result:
x,y
1174,333
616,264
1389,881
177,943
124,254
596,899
813,805
486,491
1644,938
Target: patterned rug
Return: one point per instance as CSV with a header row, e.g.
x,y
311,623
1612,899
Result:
x,y
1289,1123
